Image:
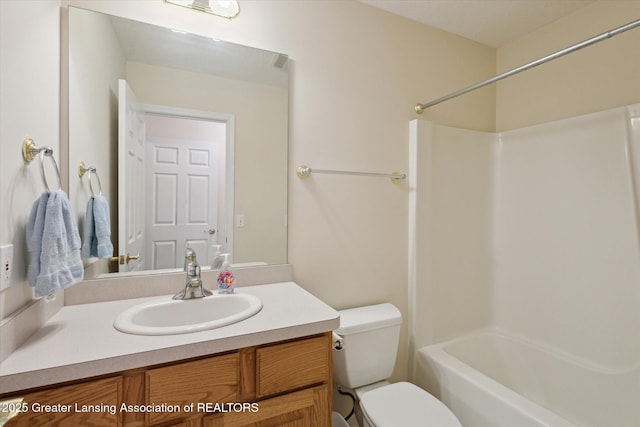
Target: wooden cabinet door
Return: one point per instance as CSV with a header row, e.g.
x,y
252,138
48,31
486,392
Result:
x,y
94,403
305,408
208,380
292,365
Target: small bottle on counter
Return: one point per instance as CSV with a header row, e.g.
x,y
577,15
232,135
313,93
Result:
x,y
226,281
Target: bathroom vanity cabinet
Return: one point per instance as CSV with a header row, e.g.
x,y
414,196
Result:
x,y
276,384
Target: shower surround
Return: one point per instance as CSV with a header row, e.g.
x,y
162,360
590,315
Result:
x,y
533,234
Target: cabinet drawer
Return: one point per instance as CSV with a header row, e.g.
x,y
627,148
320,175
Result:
x,y
94,403
292,365
214,379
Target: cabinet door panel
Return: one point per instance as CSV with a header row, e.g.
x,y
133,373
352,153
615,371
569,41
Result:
x,y
292,365
84,404
305,408
209,380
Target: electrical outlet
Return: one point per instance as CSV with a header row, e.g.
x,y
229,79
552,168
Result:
x,y
6,259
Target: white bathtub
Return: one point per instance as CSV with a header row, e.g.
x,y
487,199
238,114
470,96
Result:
x,y
490,379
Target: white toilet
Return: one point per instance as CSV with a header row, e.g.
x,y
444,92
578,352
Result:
x,y
369,340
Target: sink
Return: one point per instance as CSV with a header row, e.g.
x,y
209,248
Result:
x,y
166,316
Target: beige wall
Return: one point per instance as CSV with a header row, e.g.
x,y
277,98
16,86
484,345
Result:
x,y
597,78
93,114
29,107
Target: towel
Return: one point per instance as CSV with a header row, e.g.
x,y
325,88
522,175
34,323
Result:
x,y
97,229
53,242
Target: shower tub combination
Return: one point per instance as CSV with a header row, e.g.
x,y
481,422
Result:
x,y
491,379
554,282
562,203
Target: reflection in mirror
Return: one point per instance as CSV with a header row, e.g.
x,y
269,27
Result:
x,y
189,136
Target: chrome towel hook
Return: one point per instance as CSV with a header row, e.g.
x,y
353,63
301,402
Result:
x,y
30,151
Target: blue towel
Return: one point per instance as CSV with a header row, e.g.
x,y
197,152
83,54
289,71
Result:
x,y
53,242
97,229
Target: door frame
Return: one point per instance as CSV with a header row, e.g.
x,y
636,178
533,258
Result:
x,y
229,121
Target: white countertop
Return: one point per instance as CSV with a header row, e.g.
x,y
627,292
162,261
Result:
x,y
80,341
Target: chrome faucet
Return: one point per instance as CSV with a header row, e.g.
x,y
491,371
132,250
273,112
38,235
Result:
x,y
193,289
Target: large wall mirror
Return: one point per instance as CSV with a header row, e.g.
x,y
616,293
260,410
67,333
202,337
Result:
x,y
188,137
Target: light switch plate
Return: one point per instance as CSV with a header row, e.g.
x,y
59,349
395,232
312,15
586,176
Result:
x,y
240,220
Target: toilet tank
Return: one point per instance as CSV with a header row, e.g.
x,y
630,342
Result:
x,y
370,335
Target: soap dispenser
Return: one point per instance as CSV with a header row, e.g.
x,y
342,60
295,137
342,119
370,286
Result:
x,y
226,281
217,259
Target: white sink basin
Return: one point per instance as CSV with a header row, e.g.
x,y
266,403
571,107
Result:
x,y
166,316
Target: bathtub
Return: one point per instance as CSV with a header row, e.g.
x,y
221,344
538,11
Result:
x,y
490,379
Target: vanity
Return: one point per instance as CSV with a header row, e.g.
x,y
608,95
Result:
x,y
273,368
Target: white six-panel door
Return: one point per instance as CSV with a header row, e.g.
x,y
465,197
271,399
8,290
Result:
x,y
181,199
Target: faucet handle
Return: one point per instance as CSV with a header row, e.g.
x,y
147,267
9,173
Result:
x,y
193,269
189,256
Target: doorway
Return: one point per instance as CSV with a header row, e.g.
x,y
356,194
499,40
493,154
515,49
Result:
x,y
186,187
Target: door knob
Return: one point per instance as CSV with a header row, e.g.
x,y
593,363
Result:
x,y
211,231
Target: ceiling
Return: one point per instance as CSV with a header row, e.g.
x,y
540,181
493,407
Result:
x,y
491,22
164,47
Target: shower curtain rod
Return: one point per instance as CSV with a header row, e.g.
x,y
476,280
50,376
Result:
x,y
419,108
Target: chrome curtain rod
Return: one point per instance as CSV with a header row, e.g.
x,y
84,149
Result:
x,y
304,171
419,108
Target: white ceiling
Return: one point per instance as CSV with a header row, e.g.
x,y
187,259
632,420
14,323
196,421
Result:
x,y
164,47
490,22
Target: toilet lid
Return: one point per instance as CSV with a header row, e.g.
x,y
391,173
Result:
x,y
404,404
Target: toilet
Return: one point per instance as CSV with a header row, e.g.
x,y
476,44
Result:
x,y
365,353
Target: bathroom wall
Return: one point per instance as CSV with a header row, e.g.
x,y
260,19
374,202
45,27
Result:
x,y
29,107
597,78
93,108
356,73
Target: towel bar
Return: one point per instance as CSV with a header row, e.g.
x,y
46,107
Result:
x,y
303,171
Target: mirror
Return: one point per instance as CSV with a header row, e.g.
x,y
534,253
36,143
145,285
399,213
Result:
x,y
212,118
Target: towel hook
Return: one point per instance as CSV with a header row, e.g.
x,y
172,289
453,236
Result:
x,y
30,151
91,170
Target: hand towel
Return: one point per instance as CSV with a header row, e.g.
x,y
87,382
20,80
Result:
x,y
35,227
97,229
54,245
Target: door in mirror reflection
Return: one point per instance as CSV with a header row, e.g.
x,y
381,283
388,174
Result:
x,y
131,153
185,188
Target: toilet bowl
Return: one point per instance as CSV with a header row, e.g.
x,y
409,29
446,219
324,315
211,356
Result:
x,y
404,404
364,359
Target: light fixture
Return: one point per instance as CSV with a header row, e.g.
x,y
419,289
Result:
x,y
225,8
